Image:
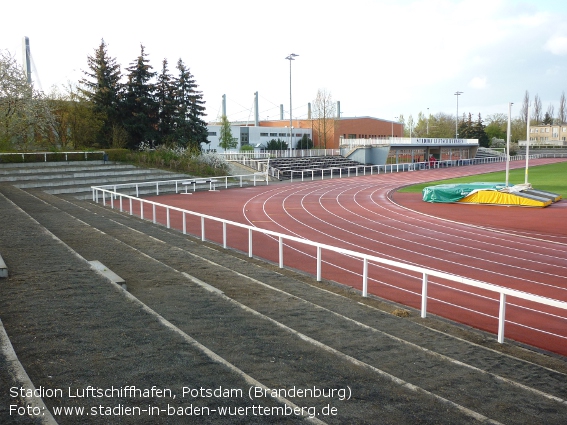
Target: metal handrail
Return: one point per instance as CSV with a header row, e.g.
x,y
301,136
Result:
x,y
365,258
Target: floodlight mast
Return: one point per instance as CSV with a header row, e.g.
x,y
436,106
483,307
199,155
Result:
x,y
458,93
290,58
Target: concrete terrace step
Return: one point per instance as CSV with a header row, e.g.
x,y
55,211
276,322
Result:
x,y
90,333
50,167
78,177
97,180
261,319
60,173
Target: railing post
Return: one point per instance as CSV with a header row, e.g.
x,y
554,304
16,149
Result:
x,y
184,219
250,243
203,229
130,199
137,192
365,277
167,213
224,234
318,264
121,203
501,317
280,250
154,212
157,188
141,209
424,297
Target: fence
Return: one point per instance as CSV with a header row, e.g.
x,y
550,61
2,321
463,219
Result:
x,y
174,185
356,170
45,155
112,196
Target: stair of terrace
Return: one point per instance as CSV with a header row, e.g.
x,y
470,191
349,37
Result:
x,y
276,326
76,178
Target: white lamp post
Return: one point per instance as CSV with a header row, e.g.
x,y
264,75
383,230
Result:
x,y
508,142
527,146
290,58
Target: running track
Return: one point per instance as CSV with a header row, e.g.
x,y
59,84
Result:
x,y
520,248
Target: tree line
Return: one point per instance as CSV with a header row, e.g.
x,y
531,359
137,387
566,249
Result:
x,y
106,109
490,130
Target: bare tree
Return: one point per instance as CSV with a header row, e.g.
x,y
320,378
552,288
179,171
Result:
x,y
524,110
537,113
324,118
562,113
25,117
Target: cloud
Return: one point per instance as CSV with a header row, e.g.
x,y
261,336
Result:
x,y
478,83
557,45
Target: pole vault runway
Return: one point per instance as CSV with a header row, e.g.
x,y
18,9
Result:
x,y
520,248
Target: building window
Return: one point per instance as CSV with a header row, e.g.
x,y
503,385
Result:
x,y
284,134
212,133
273,134
264,134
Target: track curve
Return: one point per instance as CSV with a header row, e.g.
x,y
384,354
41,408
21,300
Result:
x,y
519,248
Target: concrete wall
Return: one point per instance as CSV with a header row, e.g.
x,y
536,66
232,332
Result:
x,y
375,155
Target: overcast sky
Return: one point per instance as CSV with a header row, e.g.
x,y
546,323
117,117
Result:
x,y
379,58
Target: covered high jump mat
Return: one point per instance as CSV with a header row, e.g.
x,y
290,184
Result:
x,y
489,194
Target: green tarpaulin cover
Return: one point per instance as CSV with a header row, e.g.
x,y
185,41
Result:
x,y
446,193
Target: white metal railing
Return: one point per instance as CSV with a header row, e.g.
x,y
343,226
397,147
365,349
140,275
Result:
x,y
365,258
46,154
356,170
179,183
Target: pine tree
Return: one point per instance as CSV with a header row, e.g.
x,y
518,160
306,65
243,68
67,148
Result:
x,y
140,106
165,96
191,129
102,88
480,133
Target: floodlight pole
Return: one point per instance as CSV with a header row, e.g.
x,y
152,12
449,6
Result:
x,y
290,58
508,143
458,93
527,146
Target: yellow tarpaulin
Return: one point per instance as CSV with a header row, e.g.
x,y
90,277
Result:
x,y
498,198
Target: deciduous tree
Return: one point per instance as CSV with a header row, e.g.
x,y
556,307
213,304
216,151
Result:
x,y
324,118
226,140
25,116
562,112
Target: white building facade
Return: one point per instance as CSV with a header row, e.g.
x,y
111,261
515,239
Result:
x,y
255,136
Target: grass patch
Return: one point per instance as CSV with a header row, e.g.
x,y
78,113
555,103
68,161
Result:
x,y
400,312
551,178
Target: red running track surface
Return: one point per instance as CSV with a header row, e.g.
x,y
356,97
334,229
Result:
x,y
515,247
